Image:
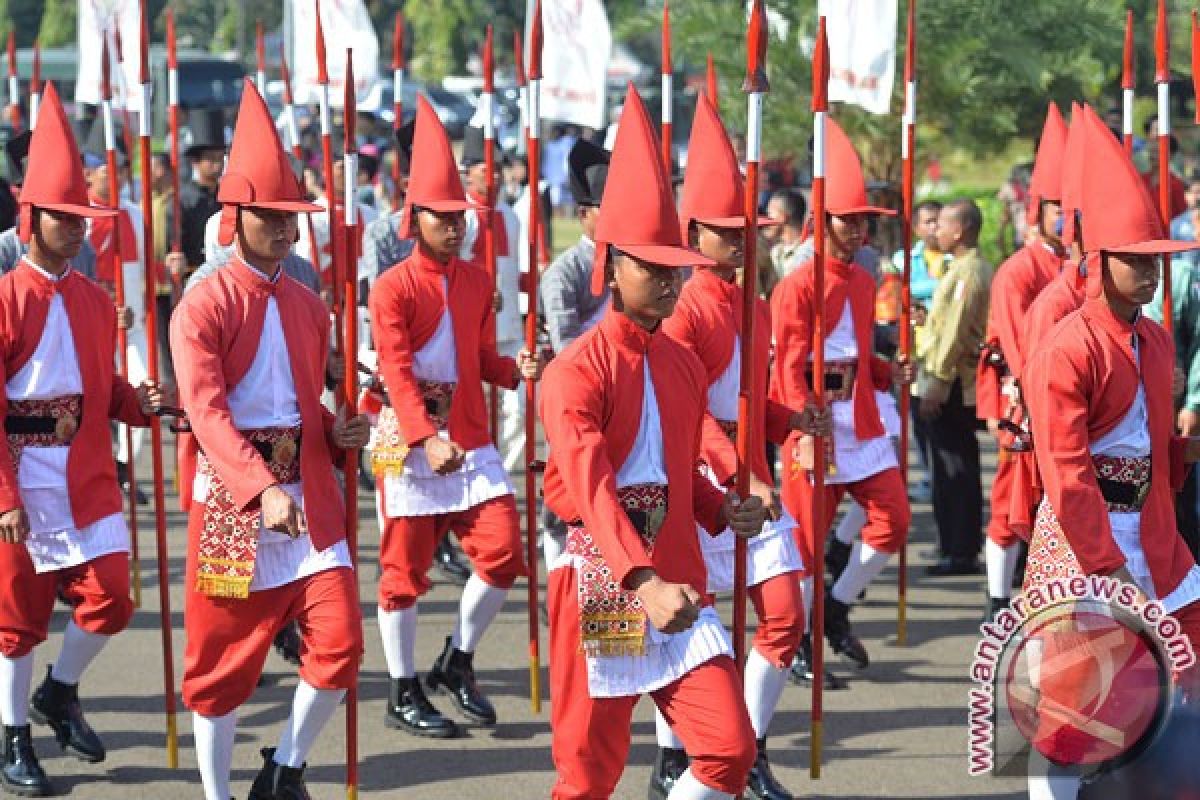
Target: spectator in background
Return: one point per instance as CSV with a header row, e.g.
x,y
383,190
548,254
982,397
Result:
x,y
946,386
169,266
788,209
1178,189
1186,225
198,190
554,165
1014,199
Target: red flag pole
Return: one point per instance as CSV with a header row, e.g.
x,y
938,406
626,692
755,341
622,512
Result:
x,y
150,286
260,56
289,116
398,103
820,107
711,84
14,83
908,143
487,104
327,171
1196,62
668,90
532,134
350,379
126,125
173,144
1162,76
522,89
35,85
114,192
1127,85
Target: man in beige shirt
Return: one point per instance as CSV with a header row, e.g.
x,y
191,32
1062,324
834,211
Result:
x,y
946,359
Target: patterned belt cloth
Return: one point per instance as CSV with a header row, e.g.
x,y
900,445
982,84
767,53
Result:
x,y
839,380
51,422
612,621
437,396
1124,482
730,427
229,539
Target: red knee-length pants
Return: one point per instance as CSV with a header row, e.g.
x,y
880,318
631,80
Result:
x,y
591,735
779,604
999,530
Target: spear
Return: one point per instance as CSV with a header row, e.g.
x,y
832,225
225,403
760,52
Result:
x,y
114,194
398,101
908,143
487,104
350,377
1162,76
260,53
522,89
820,107
14,83
710,81
289,116
35,85
1127,85
150,283
327,169
668,79
1196,61
122,89
531,344
173,141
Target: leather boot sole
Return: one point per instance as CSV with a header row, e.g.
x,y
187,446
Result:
x,y
439,686
425,733
63,736
26,791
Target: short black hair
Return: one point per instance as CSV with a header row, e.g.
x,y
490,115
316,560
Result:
x,y
969,216
928,205
794,207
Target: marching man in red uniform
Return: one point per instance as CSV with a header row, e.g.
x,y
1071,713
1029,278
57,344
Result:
x,y
623,409
707,320
266,533
432,321
1016,284
863,459
1099,395
61,530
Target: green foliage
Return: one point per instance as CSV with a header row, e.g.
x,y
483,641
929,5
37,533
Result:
x,y
57,24
992,208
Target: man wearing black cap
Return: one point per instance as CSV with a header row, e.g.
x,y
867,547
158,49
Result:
x,y
198,194
382,244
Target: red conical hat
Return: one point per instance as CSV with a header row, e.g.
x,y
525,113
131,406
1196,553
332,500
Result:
x,y
1074,155
434,181
1046,181
637,213
54,173
713,189
258,174
845,188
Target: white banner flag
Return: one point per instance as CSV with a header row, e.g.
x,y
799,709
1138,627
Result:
x,y
346,23
862,51
578,43
97,18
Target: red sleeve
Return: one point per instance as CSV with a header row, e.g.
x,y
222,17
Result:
x,y
778,422
881,374
10,491
707,500
494,368
1178,461
123,404
389,330
1058,391
199,370
717,450
791,320
573,416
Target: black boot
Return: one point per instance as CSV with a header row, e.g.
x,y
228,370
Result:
x,y
761,783
450,564
837,556
669,765
801,672
455,671
837,632
408,709
287,643
22,774
57,705
277,782
123,479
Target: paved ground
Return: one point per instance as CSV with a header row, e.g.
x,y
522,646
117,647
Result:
x,y
899,731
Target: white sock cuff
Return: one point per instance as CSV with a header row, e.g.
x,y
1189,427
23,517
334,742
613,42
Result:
x,y
663,733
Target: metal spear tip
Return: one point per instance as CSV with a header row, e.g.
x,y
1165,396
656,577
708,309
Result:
x,y
710,80
172,62
489,63
398,42
105,70
667,68
322,68
1127,60
535,44
820,69
1162,45
910,49
756,50
12,53
259,46
349,104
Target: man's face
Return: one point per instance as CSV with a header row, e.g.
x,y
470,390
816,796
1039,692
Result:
x,y
475,178
588,217
949,231
775,211
847,234
339,177
266,235
925,227
1193,195
159,172
648,292
209,164
723,245
441,232
517,173
1131,278
58,233
1052,215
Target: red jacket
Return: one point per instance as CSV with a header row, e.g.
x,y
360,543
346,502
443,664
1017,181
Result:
x,y
591,407
792,315
1079,386
1015,286
708,321
215,333
1063,295
406,306
25,296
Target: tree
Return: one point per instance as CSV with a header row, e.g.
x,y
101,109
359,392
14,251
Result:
x,y
57,24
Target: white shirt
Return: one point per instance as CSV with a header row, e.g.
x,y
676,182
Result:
x,y
645,463
723,393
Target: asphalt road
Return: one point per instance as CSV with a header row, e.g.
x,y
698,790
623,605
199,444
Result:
x,y
899,731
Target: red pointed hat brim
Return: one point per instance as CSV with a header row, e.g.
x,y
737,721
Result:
x,y
92,212
842,212
666,255
295,206
735,222
1154,247
446,206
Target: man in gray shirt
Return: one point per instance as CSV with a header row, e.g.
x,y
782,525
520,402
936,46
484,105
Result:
x,y
382,245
